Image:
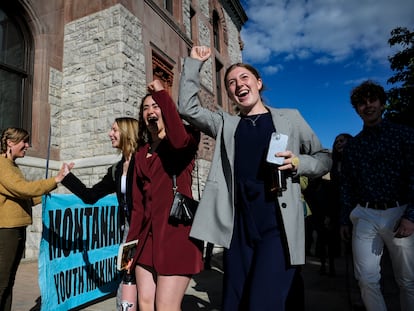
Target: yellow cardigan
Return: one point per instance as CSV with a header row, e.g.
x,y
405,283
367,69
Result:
x,y
18,195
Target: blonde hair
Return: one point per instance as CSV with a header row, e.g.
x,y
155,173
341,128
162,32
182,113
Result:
x,y
15,134
128,140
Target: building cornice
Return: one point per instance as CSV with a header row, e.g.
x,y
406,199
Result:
x,y
168,20
235,7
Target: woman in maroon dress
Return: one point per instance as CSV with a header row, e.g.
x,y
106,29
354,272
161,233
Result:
x,y
166,256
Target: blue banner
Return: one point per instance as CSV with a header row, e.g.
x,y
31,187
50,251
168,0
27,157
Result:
x,y
78,251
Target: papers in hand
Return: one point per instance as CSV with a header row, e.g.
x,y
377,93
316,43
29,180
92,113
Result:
x,y
126,252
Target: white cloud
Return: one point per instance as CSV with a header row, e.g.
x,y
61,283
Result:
x,y
324,60
273,69
329,31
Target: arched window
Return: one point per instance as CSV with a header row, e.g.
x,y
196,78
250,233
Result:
x,y
15,72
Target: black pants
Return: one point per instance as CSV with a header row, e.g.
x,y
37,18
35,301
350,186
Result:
x,y
12,242
295,300
256,276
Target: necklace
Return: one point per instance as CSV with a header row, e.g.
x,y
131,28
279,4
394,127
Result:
x,y
253,120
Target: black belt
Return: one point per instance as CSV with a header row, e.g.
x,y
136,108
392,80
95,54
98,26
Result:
x,y
381,205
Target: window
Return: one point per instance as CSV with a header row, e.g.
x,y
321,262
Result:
x,y
216,31
168,5
162,71
15,85
193,25
219,82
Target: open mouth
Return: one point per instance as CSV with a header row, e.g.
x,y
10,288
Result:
x,y
243,93
152,120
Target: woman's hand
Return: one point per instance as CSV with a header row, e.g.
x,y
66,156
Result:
x,y
64,170
291,161
155,86
201,53
129,265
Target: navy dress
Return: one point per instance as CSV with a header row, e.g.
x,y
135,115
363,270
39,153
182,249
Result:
x,y
256,273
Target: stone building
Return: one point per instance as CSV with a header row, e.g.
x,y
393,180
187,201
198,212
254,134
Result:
x,y
69,67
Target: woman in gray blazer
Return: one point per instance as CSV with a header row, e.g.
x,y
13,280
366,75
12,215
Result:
x,y
260,225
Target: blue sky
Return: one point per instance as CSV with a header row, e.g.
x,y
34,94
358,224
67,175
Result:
x,y
311,53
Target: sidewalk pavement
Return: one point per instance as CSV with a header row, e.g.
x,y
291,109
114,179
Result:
x,y
322,292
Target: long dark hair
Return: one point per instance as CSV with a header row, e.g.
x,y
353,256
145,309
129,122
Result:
x,y
144,136
337,156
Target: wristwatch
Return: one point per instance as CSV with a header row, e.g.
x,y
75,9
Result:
x,y
295,162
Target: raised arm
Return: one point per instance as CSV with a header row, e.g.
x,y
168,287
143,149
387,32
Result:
x,y
189,105
175,130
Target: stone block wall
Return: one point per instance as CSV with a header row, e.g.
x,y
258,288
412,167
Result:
x,y
103,76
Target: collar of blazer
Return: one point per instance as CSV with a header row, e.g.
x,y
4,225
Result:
x,y
283,124
281,121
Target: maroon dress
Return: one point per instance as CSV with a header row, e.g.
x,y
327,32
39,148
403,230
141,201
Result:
x,y
164,246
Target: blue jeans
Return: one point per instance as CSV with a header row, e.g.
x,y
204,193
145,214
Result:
x,y
372,229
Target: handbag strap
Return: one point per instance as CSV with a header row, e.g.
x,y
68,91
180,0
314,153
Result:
x,y
175,187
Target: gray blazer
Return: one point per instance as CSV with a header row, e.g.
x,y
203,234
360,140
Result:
x,y
214,219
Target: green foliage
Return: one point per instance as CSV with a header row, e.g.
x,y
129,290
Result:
x,y
400,106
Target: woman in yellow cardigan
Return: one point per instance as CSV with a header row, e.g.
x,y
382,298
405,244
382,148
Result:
x,y
17,196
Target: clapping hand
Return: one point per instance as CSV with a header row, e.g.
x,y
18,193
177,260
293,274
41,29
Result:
x,y
64,170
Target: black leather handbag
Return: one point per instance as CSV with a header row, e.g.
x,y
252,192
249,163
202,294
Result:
x,y
183,207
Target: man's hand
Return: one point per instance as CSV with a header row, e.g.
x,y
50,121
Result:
x,y
201,53
404,228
